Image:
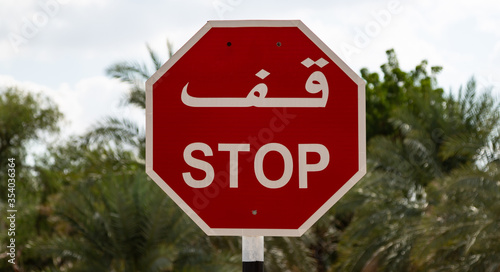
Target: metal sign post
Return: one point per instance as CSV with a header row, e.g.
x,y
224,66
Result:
x,y
252,248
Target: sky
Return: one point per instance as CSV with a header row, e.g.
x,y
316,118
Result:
x,y
61,48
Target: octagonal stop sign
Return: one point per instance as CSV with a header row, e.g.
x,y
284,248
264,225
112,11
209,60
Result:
x,y
255,128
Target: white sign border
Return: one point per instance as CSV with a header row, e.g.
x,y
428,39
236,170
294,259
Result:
x,y
256,232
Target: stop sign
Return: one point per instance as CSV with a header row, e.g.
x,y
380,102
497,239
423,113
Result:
x,y
255,128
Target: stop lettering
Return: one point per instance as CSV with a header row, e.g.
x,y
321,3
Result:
x,y
234,149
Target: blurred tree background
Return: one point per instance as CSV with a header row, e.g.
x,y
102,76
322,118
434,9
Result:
x,y
429,202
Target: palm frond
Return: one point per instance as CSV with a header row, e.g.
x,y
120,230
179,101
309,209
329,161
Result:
x,y
154,57
462,228
287,254
130,72
118,130
136,97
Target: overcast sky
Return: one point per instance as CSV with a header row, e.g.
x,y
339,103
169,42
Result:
x,y
62,47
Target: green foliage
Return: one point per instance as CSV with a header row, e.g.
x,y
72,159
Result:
x,y
474,135
398,89
287,254
322,238
136,74
25,118
462,229
122,132
121,223
431,136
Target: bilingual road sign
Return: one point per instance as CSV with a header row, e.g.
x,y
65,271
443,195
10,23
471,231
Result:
x,y
255,128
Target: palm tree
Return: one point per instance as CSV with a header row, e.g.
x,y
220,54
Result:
x,y
119,224
388,202
123,131
136,74
388,208
427,145
26,120
463,224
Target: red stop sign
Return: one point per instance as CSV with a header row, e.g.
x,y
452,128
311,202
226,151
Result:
x,y
255,128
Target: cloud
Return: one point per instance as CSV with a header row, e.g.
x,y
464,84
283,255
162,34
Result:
x,y
84,103
69,54
496,50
